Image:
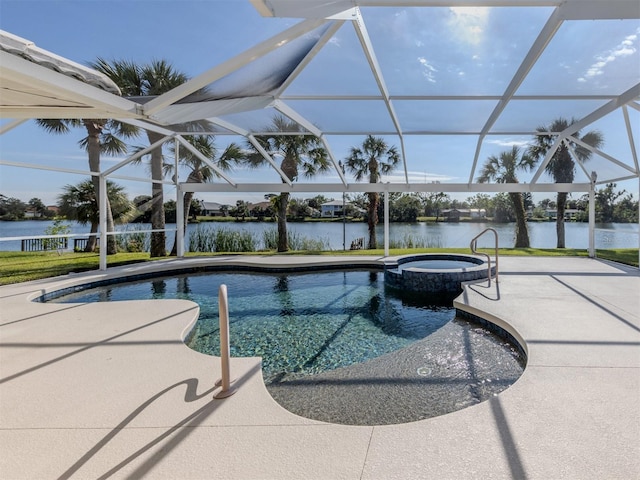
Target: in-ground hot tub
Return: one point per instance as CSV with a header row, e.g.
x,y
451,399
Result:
x,y
435,273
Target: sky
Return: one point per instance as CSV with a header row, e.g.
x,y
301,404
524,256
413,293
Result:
x,y
421,52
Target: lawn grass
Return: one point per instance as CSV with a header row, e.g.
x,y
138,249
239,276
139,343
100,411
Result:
x,y
628,256
16,267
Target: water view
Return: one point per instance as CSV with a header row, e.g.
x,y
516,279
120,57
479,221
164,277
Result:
x,y
335,235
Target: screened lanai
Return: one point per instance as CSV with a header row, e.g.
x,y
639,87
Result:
x,y
448,82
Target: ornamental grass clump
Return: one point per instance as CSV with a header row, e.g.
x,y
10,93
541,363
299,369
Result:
x,y
295,241
226,240
207,239
411,241
133,240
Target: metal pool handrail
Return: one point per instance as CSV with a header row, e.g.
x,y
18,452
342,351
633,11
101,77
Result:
x,y
473,246
225,353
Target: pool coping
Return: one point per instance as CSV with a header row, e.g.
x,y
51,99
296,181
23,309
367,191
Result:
x,y
68,408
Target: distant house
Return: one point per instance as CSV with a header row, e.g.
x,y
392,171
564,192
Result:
x,y
32,213
262,205
211,209
331,209
569,213
451,214
455,214
53,208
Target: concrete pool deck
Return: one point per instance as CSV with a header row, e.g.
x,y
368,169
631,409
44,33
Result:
x,y
111,391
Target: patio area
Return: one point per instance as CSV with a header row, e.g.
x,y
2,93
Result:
x,y
109,390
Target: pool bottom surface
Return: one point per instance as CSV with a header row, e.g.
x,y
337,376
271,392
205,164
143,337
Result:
x,y
459,365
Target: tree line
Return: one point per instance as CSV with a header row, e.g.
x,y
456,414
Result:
x,y
78,203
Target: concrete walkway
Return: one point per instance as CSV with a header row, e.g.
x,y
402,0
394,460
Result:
x,y
110,390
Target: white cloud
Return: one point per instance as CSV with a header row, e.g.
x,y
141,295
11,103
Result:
x,y
428,70
468,24
418,177
625,48
510,142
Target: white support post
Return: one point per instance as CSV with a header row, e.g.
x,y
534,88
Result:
x,y
179,221
179,205
386,220
103,221
225,349
592,216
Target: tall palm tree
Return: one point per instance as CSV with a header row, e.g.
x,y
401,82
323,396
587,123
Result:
x,y
200,172
103,136
80,203
152,79
502,169
298,152
374,159
562,167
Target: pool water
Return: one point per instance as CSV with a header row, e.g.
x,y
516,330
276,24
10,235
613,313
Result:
x,y
303,323
438,264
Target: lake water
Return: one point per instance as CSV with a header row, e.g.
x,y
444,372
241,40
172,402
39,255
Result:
x,y
542,234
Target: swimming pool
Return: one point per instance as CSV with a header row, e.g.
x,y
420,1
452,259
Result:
x,y
316,330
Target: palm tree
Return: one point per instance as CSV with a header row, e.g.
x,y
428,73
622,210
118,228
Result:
x,y
80,203
103,136
152,79
561,166
374,159
298,152
502,169
200,172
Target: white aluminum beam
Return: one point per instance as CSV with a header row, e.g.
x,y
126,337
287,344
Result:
x,y
143,124
575,9
269,159
11,125
604,155
632,143
544,37
310,56
48,168
199,154
370,54
137,155
380,187
575,158
231,65
625,98
99,104
335,162
300,120
607,108
252,140
318,97
547,158
140,179
617,179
